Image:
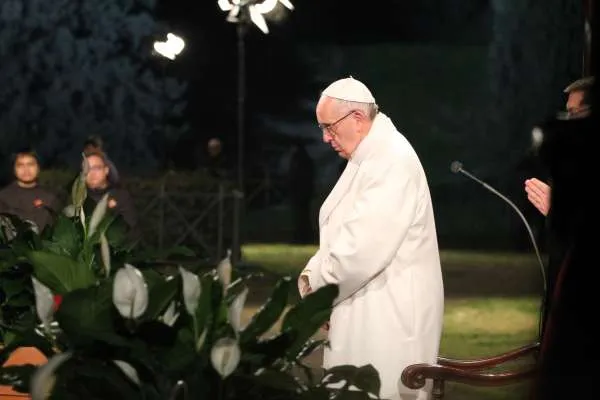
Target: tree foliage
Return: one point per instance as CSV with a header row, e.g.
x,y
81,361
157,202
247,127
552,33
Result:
x,y
74,68
536,51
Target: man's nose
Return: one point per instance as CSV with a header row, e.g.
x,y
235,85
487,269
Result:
x,y
326,136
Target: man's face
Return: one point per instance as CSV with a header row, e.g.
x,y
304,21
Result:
x,y
341,130
27,169
575,102
97,176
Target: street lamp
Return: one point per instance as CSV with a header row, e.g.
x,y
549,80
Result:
x,y
171,47
244,13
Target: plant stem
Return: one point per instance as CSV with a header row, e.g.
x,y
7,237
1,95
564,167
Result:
x,y
221,388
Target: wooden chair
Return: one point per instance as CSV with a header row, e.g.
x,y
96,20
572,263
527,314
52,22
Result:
x,y
478,372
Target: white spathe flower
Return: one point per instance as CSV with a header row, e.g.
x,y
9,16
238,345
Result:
x,y
537,136
170,316
224,270
42,381
44,302
201,340
98,214
225,356
235,310
128,370
191,290
105,253
130,292
70,211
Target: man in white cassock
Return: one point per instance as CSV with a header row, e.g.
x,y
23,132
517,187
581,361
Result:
x,y
378,243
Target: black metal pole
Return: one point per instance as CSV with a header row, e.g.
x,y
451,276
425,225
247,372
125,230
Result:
x,y
241,103
589,27
241,120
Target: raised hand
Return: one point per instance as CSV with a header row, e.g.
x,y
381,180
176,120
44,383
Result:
x,y
538,193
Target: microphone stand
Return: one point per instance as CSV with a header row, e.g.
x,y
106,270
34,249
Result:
x,y
456,167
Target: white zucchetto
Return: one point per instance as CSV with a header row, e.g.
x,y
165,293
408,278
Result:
x,y
349,89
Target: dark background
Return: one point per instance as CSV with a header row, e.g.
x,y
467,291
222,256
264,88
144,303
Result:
x,y
462,80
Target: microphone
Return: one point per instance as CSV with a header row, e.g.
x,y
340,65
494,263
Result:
x,y
457,167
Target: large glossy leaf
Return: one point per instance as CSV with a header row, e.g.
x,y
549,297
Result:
x,y
65,237
103,226
86,316
364,378
204,313
266,351
93,379
308,316
182,354
161,291
269,313
60,273
276,379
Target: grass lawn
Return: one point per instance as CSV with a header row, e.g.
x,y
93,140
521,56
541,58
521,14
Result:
x,y
492,304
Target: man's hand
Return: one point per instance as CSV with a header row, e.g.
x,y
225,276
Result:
x,y
538,193
304,286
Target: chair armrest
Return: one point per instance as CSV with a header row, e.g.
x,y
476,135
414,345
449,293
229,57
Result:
x,y
485,363
414,376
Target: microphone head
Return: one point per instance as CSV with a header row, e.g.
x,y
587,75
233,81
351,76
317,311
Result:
x,y
456,166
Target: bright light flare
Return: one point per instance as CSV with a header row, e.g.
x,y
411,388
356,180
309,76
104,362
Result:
x,y
171,48
256,10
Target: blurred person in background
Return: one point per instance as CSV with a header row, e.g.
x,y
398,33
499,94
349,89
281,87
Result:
x,y
95,144
119,200
25,197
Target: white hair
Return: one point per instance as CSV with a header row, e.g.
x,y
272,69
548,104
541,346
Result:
x,y
369,109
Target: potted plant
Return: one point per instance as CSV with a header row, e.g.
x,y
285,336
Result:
x,y
126,331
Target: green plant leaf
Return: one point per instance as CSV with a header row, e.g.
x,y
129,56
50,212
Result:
x,y
86,315
364,378
103,225
204,317
316,393
308,316
60,273
65,237
180,356
310,347
161,291
266,351
276,379
269,313
302,312
79,190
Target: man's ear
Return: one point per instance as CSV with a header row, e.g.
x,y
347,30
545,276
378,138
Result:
x,y
360,115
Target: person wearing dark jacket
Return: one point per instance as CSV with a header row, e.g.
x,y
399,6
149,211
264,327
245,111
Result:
x,y
24,197
119,200
94,144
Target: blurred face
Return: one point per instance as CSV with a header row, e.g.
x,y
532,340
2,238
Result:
x,y
343,130
214,147
27,169
97,177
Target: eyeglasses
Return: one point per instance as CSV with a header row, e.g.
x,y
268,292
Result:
x,y
325,126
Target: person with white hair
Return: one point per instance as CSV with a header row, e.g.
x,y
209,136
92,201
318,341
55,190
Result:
x,y
378,244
